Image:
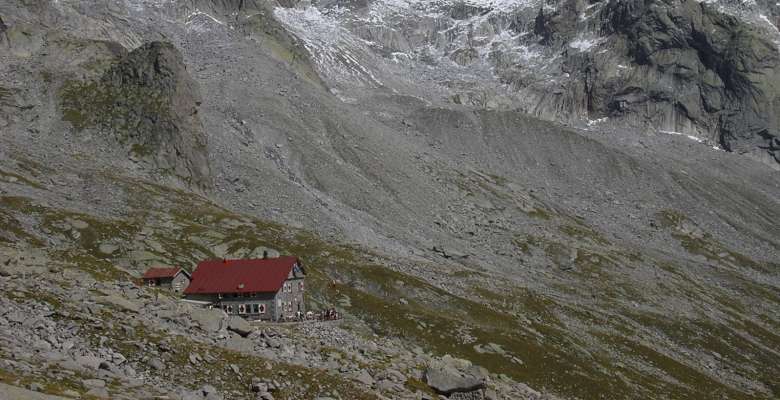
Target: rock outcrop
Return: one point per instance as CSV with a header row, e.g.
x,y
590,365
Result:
x,y
455,376
679,66
149,103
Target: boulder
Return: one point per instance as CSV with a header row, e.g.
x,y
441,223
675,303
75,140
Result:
x,y
258,386
239,326
88,362
156,364
260,252
35,387
446,379
363,377
210,320
78,224
108,248
210,393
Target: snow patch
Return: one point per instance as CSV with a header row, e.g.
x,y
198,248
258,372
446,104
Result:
x,y
597,121
691,137
585,44
335,50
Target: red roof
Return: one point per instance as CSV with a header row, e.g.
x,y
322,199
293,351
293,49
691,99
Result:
x,y
157,273
241,276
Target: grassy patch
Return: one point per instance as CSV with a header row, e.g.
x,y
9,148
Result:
x,y
539,213
584,233
19,179
704,245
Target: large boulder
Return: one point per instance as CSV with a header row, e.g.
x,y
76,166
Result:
x,y
448,378
210,320
239,325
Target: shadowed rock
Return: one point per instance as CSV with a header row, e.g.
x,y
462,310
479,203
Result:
x,y
446,379
712,71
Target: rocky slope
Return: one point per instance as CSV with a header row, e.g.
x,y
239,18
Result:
x,y
581,261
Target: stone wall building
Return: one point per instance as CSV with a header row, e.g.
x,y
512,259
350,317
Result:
x,y
257,289
173,278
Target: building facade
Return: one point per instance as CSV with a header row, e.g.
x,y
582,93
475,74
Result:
x,y
259,289
173,278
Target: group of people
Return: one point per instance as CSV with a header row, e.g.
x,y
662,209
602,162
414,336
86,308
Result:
x,y
329,314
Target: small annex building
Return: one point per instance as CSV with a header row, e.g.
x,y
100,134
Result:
x,y
256,289
169,277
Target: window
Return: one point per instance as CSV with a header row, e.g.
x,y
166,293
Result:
x,y
300,286
262,308
254,308
230,309
241,309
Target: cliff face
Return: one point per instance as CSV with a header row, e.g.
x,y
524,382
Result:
x,y
716,73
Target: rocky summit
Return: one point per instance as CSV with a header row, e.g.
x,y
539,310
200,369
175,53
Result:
x,y
491,199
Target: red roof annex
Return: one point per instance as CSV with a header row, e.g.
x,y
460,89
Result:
x,y
241,276
157,273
